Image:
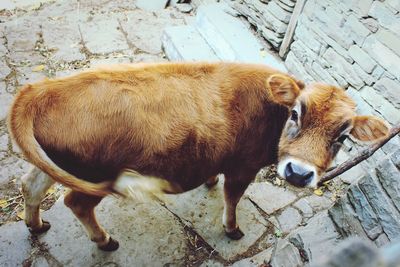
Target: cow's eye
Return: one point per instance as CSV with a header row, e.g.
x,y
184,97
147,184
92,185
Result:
x,y
342,138
295,116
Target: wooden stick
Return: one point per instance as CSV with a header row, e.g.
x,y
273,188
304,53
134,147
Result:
x,y
366,153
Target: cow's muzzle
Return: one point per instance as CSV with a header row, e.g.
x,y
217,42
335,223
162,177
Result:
x,y
297,173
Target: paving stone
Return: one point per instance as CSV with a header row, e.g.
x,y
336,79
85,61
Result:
x,y
185,43
154,5
103,36
12,167
289,219
383,55
64,38
148,38
317,237
136,226
304,207
4,142
4,69
388,175
109,60
286,255
345,218
259,259
203,209
222,32
14,244
390,89
18,37
268,197
5,104
211,263
40,262
26,75
388,215
362,58
318,202
364,212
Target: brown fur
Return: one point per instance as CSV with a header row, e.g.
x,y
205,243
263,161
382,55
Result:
x,y
181,122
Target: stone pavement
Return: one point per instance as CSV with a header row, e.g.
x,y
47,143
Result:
x,y
282,225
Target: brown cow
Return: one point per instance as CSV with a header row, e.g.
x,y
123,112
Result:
x,y
178,124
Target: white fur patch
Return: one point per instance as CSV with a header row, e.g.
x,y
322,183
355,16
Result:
x,y
136,186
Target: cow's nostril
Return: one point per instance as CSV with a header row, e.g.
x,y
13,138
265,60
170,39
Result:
x,y
289,170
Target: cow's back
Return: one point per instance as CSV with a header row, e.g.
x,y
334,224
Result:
x,y
169,120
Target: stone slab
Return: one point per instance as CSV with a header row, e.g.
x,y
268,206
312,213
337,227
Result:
x,y
286,255
144,241
317,237
102,36
153,5
147,39
389,217
259,259
388,175
268,197
289,219
11,168
14,244
364,211
185,43
230,38
203,208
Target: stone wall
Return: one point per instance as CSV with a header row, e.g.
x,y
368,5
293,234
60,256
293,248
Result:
x,y
269,17
355,44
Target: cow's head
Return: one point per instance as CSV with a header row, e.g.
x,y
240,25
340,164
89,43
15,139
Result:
x,y
321,117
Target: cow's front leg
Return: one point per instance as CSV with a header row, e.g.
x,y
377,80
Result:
x,y
233,191
82,206
34,187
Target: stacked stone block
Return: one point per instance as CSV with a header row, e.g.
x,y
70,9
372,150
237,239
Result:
x,y
269,17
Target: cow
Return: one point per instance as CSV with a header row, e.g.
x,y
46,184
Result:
x,y
171,127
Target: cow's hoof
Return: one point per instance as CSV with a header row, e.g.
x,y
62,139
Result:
x,y
45,227
110,246
212,182
235,234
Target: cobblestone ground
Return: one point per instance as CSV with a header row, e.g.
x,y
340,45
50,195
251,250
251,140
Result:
x,y
283,225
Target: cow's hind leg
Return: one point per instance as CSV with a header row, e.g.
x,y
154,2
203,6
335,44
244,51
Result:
x,y
82,206
233,191
34,187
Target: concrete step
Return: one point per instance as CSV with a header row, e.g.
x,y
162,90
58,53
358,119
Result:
x,y
230,38
185,43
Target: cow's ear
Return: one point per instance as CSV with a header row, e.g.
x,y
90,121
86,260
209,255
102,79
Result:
x,y
284,89
369,128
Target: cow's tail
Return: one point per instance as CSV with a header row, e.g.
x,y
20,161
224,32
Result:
x,y
20,123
